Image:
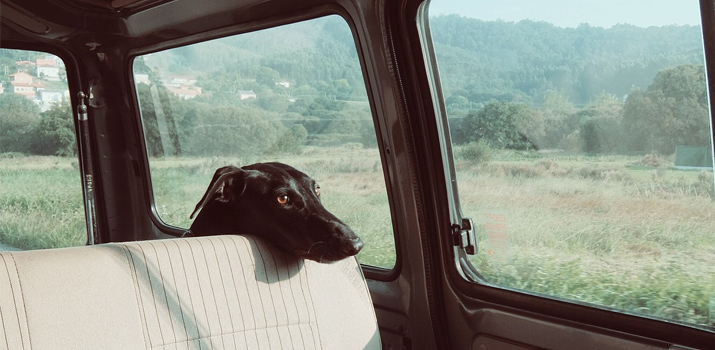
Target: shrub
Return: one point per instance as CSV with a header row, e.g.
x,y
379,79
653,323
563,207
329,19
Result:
x,y
55,134
652,160
475,152
291,142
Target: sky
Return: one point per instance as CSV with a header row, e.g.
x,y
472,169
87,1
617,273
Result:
x,y
571,13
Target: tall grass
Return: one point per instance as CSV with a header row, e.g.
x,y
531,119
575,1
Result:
x,y
610,232
40,203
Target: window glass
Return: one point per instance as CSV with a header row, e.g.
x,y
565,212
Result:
x,y
582,145
40,186
293,94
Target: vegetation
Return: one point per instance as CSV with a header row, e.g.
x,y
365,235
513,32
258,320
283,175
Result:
x,y
40,202
524,61
24,129
620,232
586,89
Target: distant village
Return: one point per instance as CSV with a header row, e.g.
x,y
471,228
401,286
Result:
x,y
184,86
44,82
34,80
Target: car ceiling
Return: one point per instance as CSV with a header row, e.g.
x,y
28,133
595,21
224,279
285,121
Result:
x,y
132,23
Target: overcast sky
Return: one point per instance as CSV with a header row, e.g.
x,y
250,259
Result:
x,y
571,13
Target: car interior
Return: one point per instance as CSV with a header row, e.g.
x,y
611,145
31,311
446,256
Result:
x,y
158,94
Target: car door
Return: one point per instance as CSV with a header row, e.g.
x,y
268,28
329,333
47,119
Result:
x,y
577,137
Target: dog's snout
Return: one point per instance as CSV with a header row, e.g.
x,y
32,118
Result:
x,y
352,246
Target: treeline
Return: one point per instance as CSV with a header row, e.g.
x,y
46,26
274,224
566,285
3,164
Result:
x,y
586,89
672,112
522,85
480,61
316,58
203,127
520,62
24,129
198,127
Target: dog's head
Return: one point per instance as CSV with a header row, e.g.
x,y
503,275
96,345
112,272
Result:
x,y
279,203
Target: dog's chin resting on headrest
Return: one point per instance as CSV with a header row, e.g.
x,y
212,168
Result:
x,y
278,203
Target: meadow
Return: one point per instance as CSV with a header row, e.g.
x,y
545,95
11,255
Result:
x,y
40,202
623,232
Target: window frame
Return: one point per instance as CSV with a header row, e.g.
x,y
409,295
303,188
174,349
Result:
x,y
168,230
472,291
74,76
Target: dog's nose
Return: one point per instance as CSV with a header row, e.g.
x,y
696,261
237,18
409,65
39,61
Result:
x,y
352,246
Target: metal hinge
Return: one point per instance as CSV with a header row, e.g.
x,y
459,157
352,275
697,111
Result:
x,y
465,236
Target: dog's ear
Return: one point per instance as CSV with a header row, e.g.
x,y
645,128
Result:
x,y
228,183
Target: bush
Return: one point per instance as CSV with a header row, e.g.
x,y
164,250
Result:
x,y
291,142
55,134
230,130
475,152
18,118
652,160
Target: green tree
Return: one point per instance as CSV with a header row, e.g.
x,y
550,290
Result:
x,y
230,130
273,102
267,77
502,125
672,112
559,117
55,133
168,121
600,128
328,116
18,117
291,142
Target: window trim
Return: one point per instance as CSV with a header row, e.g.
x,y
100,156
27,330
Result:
x,y
371,271
75,79
475,293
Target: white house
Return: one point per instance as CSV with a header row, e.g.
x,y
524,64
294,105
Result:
x,y
185,93
23,84
49,99
246,94
48,68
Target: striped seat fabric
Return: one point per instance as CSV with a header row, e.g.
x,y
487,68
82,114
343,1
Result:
x,y
220,292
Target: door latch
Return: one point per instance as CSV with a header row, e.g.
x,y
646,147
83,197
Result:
x,y
465,236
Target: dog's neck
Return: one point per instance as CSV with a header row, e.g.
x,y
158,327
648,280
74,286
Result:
x,y
220,219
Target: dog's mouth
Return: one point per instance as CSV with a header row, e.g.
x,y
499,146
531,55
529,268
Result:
x,y
315,251
325,252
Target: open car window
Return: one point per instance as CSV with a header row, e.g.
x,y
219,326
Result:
x,y
293,94
583,151
40,185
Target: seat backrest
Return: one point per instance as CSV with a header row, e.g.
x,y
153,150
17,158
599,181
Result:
x,y
219,292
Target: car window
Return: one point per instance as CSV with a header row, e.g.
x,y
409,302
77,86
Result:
x,y
293,94
582,146
40,185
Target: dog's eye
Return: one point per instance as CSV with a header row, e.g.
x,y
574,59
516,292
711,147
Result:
x,y
283,199
317,190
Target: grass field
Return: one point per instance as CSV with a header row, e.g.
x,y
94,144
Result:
x,y
623,232
629,233
40,202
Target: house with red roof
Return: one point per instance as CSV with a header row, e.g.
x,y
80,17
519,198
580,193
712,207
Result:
x,y
23,84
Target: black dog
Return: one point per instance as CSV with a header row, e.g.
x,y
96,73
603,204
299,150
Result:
x,y
279,203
